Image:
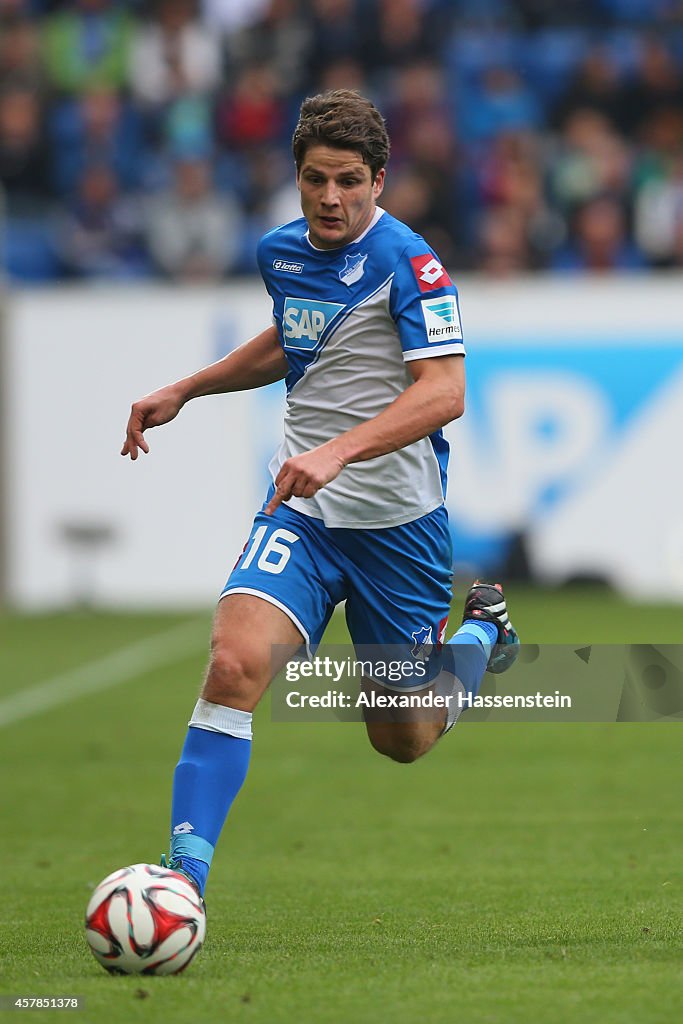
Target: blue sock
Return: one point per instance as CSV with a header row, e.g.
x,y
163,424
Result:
x,y
208,777
476,638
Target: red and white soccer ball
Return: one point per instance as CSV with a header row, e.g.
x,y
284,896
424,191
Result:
x,y
145,919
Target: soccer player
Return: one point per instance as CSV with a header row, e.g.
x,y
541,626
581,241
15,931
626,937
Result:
x,y
366,333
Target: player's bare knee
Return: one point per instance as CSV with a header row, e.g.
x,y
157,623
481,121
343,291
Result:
x,y
232,678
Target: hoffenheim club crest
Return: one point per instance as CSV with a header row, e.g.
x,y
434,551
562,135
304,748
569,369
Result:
x,y
423,643
354,268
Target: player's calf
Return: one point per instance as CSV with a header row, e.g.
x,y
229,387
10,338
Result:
x,y
404,742
400,733
215,758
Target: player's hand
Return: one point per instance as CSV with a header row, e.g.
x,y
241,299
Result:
x,y
303,475
151,411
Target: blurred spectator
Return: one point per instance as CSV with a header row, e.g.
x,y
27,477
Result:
x,y
509,173
677,252
87,45
509,177
596,86
280,39
24,163
13,10
659,215
271,198
231,16
599,240
193,233
402,33
662,135
431,155
20,58
656,181
283,205
418,91
187,128
591,159
536,14
502,248
337,31
174,55
10,10
98,128
501,102
344,73
98,235
638,11
658,85
410,197
251,114
406,196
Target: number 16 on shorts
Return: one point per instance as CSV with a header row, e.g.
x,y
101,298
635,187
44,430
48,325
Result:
x,y
272,553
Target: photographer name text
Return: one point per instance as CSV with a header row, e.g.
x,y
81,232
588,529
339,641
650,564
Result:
x,y
371,699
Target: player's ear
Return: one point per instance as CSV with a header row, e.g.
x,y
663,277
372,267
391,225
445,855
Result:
x,y
378,183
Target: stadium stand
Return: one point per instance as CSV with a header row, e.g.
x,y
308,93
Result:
x,y
142,140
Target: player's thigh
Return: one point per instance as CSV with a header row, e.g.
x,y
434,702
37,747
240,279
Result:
x,y
280,593
400,585
250,641
288,563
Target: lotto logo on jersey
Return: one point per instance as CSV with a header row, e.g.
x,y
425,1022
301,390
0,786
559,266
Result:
x,y
287,267
441,319
304,321
429,273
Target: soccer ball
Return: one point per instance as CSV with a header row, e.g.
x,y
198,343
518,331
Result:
x,y
145,919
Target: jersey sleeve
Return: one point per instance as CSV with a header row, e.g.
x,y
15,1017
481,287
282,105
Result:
x,y
264,267
424,305
262,260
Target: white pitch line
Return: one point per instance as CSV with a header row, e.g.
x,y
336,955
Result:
x,y
111,670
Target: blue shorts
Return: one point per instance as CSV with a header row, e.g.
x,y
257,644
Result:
x,y
396,581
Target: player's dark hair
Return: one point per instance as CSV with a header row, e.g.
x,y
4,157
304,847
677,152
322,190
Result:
x,y
343,119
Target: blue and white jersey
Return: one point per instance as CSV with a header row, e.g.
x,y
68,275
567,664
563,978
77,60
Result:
x,y
349,320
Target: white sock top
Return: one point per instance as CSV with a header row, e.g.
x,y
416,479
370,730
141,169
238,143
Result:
x,y
219,718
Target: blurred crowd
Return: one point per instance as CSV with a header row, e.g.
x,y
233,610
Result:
x,y
140,140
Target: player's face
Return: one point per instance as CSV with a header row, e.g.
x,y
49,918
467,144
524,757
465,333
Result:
x,y
338,195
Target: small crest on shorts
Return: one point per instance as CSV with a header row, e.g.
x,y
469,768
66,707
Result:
x,y
354,268
422,643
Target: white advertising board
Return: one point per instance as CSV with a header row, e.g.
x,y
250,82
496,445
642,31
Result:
x,y
571,436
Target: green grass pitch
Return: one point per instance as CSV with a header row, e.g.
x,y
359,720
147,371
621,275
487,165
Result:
x,y
518,873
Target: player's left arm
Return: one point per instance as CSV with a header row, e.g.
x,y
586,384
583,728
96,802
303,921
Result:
x,y
436,396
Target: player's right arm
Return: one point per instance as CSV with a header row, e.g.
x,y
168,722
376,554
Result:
x,y
258,362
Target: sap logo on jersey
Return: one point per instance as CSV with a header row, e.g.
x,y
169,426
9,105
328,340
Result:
x,y
305,320
441,319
